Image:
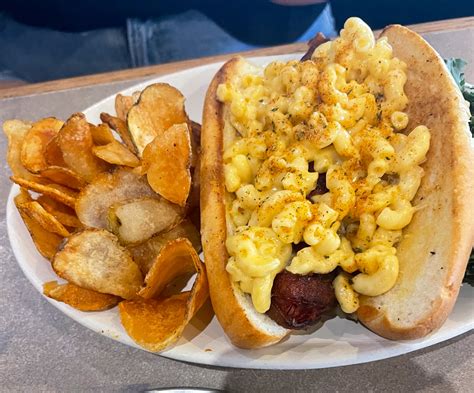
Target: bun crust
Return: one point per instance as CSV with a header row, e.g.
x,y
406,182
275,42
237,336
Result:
x,y
243,325
435,247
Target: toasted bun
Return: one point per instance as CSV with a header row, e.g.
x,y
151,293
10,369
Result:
x,y
245,327
435,247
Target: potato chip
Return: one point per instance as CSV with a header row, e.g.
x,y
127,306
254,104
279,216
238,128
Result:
x,y
154,323
122,105
144,254
119,126
136,96
53,154
55,191
101,134
16,130
107,189
46,242
36,212
116,153
35,141
173,261
64,214
136,220
94,259
79,298
160,106
166,161
23,197
75,141
63,176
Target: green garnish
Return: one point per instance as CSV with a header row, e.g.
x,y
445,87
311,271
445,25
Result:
x,y
469,276
456,67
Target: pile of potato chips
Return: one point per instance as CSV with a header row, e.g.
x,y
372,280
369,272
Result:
x,y
114,208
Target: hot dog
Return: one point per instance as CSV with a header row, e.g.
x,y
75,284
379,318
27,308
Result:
x,y
349,172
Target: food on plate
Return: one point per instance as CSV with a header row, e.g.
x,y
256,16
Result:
x,y
116,153
56,191
48,221
79,298
137,220
34,142
322,181
46,242
123,104
64,214
90,206
94,259
159,107
171,178
101,134
16,130
156,322
119,126
107,189
144,254
76,143
63,176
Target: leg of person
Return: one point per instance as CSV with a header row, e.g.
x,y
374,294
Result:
x,y
37,54
178,37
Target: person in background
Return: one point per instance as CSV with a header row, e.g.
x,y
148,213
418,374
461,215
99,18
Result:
x,y
53,39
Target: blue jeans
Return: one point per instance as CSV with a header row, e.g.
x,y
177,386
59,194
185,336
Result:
x,y
34,54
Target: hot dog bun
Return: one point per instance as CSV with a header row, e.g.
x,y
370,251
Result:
x,y
245,327
435,247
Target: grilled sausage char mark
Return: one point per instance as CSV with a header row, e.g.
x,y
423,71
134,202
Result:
x,y
299,301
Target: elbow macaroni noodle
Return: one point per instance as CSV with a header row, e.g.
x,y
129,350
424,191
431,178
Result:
x,y
340,114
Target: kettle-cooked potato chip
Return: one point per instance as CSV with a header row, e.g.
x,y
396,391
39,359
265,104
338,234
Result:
x,y
136,220
144,254
46,242
53,154
35,142
94,259
55,191
122,105
16,130
116,153
174,260
75,141
79,298
64,214
63,176
107,189
154,323
160,106
121,128
101,134
166,161
38,213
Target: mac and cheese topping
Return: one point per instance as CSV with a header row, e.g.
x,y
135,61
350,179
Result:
x,y
340,114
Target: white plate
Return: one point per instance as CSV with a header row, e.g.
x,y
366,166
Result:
x,y
338,342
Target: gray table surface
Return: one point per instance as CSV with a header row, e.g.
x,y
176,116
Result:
x,y
41,349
